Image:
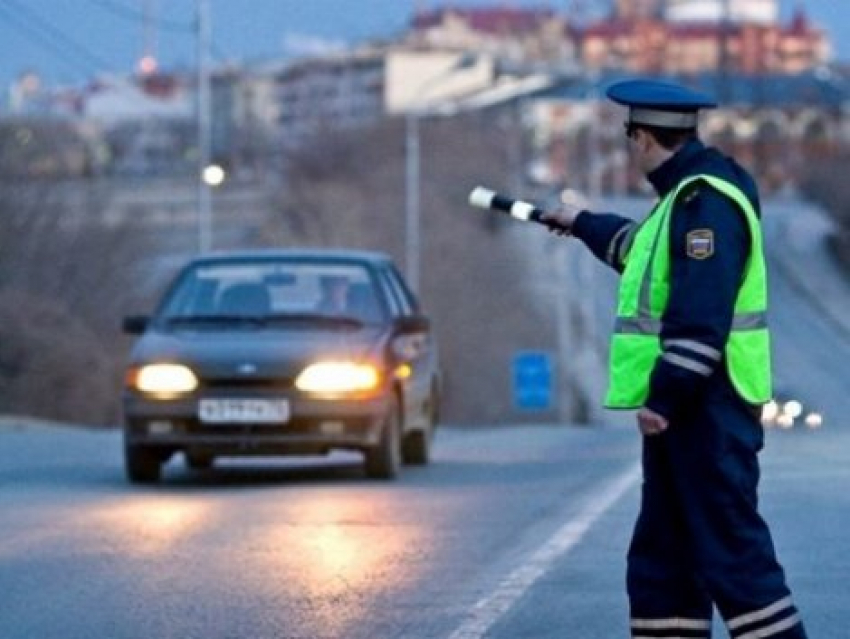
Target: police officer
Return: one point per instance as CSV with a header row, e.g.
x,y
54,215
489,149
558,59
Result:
x,y
690,352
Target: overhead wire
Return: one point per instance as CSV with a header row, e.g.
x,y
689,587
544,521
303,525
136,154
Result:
x,y
68,56
73,54
134,15
31,21
138,17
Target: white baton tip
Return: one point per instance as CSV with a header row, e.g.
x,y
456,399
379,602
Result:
x,y
522,210
481,197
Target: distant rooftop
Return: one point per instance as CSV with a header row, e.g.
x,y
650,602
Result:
x,y
489,19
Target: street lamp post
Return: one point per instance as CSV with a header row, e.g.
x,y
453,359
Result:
x,y
204,193
412,162
412,221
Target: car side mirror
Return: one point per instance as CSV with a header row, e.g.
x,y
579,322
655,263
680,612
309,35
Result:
x,y
413,324
135,324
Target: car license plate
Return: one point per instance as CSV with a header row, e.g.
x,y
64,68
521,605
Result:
x,y
254,411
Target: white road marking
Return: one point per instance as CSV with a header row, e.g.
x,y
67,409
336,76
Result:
x,y
488,610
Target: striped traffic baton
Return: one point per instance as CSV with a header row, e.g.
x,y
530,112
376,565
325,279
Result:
x,y
484,198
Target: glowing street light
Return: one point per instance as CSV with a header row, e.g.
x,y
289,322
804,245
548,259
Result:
x,y
214,175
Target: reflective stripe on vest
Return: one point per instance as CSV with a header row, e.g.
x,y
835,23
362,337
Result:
x,y
644,292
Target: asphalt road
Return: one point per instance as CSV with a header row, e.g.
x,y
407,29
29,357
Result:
x,y
269,549
512,533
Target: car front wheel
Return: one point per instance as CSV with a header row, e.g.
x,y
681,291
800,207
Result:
x,y
199,461
142,465
416,449
384,460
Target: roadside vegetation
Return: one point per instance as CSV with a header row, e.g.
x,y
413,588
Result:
x,y
64,281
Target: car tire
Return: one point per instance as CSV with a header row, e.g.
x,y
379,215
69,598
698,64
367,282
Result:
x,y
384,460
142,465
199,461
416,449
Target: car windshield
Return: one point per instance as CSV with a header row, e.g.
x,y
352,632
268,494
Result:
x,y
268,291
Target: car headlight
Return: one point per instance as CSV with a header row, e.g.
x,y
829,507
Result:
x,y
163,379
338,377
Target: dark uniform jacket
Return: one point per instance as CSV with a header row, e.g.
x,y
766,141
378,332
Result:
x,y
705,273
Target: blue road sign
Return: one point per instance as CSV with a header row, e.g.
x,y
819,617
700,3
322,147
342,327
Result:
x,y
532,377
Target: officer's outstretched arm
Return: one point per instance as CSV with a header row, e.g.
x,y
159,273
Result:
x,y
608,236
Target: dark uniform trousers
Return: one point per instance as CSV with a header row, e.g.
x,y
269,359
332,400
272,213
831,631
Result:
x,y
699,538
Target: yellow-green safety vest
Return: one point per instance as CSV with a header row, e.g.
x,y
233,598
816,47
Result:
x,y
644,292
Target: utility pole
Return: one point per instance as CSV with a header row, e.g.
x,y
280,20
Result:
x,y
204,193
412,154
412,163
724,60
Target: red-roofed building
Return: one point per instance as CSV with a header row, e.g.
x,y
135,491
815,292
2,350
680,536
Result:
x,y
652,45
641,36
527,34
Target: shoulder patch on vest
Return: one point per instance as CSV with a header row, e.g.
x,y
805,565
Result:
x,y
700,244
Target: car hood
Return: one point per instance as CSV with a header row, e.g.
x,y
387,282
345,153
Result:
x,y
259,353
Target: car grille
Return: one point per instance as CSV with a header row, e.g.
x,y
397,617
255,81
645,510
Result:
x,y
251,382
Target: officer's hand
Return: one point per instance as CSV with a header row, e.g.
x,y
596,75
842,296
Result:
x,y
650,422
562,218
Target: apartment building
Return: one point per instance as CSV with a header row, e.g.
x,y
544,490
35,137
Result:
x,y
339,91
696,36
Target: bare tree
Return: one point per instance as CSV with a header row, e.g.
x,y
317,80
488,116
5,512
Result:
x,y
66,279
